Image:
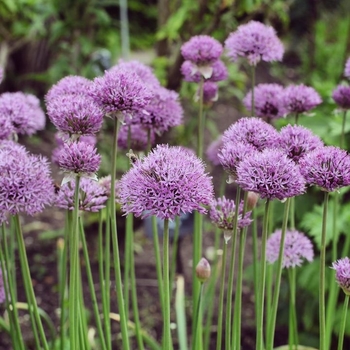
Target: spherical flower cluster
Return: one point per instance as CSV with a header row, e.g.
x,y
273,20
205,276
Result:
x,y
213,149
341,96
347,68
2,288
167,182
92,196
144,72
69,85
163,112
327,167
300,98
342,273
79,158
222,214
25,183
138,137
270,174
296,141
254,131
105,182
75,114
24,113
256,42
191,73
297,247
201,50
268,101
120,91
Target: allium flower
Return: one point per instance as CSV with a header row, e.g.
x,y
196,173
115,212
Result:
x,y
201,50
105,182
167,182
69,85
25,182
297,247
75,114
231,154
347,68
210,93
268,101
79,158
138,137
342,273
203,270
120,91
213,149
92,196
191,74
254,131
327,167
24,112
2,288
256,42
144,72
341,96
300,98
296,141
271,174
222,214
163,112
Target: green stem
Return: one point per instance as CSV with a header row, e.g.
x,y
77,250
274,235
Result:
x,y
261,292
292,214
322,311
128,251
272,323
221,298
116,257
175,251
293,323
198,319
167,343
255,259
91,286
33,307
343,322
253,87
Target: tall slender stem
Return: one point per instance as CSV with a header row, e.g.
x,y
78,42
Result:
x,y
343,322
261,293
293,323
253,87
198,319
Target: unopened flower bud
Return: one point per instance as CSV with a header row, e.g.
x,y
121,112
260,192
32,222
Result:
x,y
203,270
252,200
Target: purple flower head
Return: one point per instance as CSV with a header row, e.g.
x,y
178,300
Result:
x,y
342,273
300,98
25,183
69,85
120,91
213,149
190,72
268,101
167,182
341,96
201,50
144,72
297,247
163,112
105,182
271,174
254,131
347,68
296,141
75,114
210,93
256,42
222,214
2,288
24,112
92,196
327,167
79,158
231,154
138,137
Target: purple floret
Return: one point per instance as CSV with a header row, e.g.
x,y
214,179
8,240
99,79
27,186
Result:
x,y
166,183
254,41
210,93
342,273
254,131
270,174
268,101
300,98
213,149
138,137
327,167
341,96
191,73
297,248
297,141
